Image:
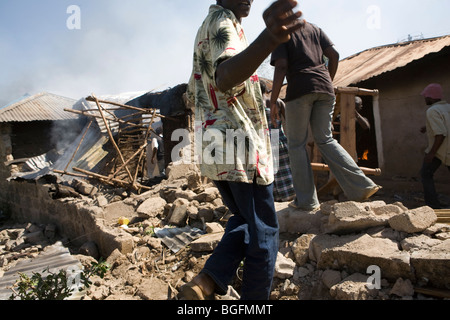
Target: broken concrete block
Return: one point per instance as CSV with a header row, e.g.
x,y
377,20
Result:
x,y
102,201
194,180
206,243
331,278
412,221
178,212
327,207
84,188
291,220
214,227
358,252
151,207
433,264
152,289
353,287
206,214
185,194
349,217
284,267
419,242
300,248
115,239
209,195
402,288
176,170
116,210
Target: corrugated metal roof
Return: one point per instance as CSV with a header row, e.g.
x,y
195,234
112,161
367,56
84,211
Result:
x,y
40,107
376,61
55,258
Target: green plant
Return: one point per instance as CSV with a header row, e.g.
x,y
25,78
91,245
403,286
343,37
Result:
x,y
54,286
150,231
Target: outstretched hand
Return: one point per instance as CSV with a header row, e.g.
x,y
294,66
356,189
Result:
x,y
281,20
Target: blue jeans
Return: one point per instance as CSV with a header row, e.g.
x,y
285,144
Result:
x,y
316,110
251,234
427,173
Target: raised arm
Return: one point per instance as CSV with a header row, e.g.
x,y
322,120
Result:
x,y
280,21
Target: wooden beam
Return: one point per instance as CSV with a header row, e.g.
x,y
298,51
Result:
x,y
324,167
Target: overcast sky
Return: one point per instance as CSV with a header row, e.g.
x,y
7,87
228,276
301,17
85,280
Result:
x,y
112,46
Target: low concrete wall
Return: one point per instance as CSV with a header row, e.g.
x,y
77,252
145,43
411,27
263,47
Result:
x,y
75,219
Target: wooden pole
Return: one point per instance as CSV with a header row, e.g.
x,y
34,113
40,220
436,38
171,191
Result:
x,y
131,158
324,167
149,110
112,139
106,179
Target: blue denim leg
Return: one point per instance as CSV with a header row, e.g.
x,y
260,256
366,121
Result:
x,y
427,173
251,234
350,177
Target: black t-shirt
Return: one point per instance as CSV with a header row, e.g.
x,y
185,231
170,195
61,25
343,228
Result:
x,y
307,68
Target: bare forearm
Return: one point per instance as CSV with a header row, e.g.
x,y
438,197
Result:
x,y
239,68
333,63
278,79
280,22
438,141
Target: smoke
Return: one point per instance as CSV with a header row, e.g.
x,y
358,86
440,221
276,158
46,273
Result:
x,y
120,47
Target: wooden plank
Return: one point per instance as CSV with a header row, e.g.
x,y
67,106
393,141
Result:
x,y
324,167
438,293
348,124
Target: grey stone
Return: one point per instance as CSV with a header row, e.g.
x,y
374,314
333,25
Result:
x,y
412,221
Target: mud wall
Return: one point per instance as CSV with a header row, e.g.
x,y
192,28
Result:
x,y
31,202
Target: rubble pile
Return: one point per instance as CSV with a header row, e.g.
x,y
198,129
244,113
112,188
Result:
x,y
344,251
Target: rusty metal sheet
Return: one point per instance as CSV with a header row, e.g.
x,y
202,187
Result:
x,y
376,61
55,258
40,107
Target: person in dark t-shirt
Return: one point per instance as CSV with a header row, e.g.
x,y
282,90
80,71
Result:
x,y
309,62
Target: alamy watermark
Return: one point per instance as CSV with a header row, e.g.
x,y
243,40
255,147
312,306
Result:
x,y
73,22
232,147
374,17
374,281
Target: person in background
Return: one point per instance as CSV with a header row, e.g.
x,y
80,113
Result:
x,y
227,96
438,150
283,188
310,102
155,151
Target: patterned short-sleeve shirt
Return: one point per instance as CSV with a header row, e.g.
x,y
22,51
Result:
x,y
231,127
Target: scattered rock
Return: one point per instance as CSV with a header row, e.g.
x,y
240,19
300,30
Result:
x,y
90,249
331,278
151,207
412,221
353,287
324,254
402,288
206,243
284,267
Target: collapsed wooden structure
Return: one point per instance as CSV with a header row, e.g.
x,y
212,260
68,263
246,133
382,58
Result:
x,y
130,142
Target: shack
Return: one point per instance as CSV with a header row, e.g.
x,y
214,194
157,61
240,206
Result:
x,y
399,72
32,127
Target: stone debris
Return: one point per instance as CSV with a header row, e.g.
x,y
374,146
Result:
x,y
343,251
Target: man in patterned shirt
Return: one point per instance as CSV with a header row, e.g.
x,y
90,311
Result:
x,y
235,145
